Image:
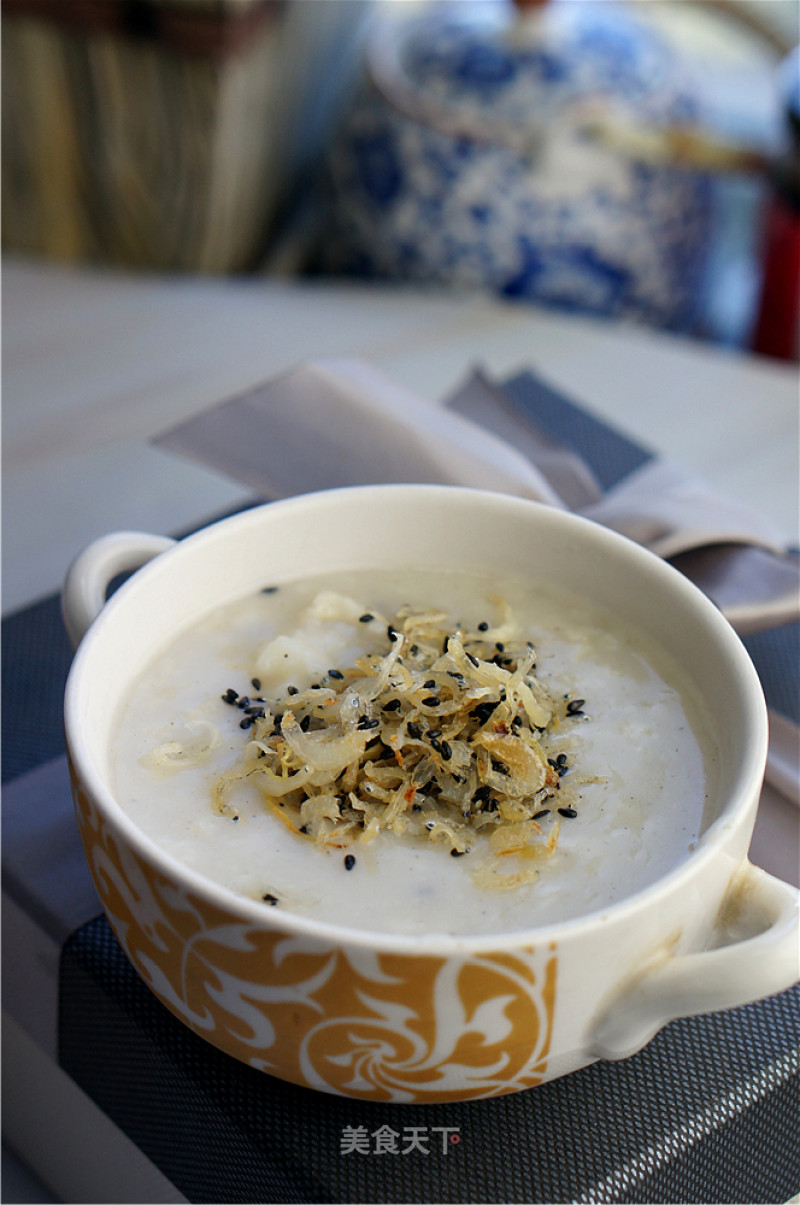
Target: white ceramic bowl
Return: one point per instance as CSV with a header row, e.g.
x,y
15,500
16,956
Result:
x,y
404,1018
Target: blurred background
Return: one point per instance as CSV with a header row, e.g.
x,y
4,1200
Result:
x,y
629,159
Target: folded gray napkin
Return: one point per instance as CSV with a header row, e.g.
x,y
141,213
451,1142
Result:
x,y
724,547
339,422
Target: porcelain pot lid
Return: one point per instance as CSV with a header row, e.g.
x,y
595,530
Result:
x,y
483,67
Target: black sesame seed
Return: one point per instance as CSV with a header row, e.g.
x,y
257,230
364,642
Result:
x,y
269,589
416,807
230,697
243,702
517,721
303,828
483,626
246,722
501,648
235,819
255,683
256,711
569,813
543,812
427,685
434,732
366,618
364,723
335,673
269,898
291,690
472,660
391,632
446,751
499,767
414,650
414,731
574,706
482,794
431,701
305,722
561,760
349,861
458,853
437,745
392,705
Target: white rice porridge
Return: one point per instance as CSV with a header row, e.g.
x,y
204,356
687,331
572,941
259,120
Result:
x,y
636,793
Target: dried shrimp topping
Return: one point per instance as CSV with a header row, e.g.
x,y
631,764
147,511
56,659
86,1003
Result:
x,y
441,733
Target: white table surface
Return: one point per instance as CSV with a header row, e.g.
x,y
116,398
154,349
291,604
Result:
x,y
95,363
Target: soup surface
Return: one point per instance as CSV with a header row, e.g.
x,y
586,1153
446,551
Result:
x,y
630,778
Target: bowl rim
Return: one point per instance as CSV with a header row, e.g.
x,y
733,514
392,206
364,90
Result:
x,y
707,848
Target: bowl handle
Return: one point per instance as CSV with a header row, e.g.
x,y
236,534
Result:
x,y
90,574
736,972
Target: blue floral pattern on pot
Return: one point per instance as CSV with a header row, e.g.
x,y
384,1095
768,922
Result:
x,y
570,223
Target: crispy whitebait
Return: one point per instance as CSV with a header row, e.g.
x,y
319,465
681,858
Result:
x,y
440,734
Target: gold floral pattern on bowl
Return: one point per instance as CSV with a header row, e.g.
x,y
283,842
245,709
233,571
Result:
x,y
343,1019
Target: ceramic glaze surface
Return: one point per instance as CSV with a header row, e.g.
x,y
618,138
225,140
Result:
x,y
573,224
376,1026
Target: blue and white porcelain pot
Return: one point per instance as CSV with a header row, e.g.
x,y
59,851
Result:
x,y
472,158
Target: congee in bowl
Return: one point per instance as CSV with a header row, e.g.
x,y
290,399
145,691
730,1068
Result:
x,y
417,752
420,793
